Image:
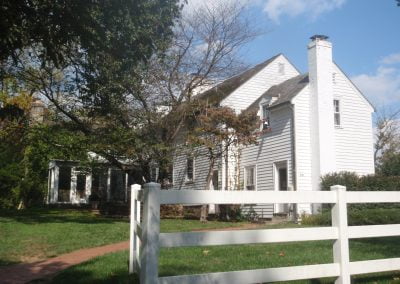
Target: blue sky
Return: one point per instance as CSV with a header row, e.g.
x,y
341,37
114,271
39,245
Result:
x,y
365,35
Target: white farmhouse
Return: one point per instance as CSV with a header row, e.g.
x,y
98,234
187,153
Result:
x,y
313,124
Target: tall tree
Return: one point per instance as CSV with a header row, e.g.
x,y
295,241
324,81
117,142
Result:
x,y
205,49
87,59
387,143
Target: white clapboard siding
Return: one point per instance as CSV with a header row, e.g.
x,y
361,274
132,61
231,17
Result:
x,y
250,91
272,147
201,167
354,139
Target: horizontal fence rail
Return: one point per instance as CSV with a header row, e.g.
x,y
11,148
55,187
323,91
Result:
x,y
247,237
146,239
244,197
258,275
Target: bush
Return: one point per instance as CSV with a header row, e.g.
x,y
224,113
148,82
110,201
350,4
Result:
x,y
356,217
321,219
353,182
229,212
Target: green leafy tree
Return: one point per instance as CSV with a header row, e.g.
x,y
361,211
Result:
x,y
26,148
220,130
87,59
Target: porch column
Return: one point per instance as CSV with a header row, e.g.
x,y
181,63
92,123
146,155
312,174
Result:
x,y
126,187
109,184
74,179
54,178
88,186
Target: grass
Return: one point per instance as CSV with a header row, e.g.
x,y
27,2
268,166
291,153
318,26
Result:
x,y
30,235
112,268
36,234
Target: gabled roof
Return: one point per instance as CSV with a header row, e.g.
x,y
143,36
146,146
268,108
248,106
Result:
x,y
219,92
284,91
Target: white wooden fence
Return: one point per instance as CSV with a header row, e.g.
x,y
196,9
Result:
x,y
146,239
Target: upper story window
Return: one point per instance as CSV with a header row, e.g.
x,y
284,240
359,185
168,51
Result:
x,y
250,178
189,169
336,112
281,68
266,121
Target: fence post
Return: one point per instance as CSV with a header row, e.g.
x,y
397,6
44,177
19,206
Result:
x,y
150,234
341,245
133,239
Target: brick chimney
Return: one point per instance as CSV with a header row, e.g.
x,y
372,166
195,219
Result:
x,y
320,67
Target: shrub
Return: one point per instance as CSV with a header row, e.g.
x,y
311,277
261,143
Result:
x,y
321,219
356,217
348,179
353,182
229,212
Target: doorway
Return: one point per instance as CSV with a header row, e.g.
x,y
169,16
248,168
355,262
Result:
x,y
281,184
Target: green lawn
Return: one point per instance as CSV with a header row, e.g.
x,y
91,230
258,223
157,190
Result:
x,y
112,268
37,234
30,235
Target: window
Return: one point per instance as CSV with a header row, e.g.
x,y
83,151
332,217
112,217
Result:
x,y
250,178
281,68
189,169
154,173
265,117
336,111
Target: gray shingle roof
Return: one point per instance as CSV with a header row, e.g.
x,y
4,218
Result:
x,y
285,91
219,92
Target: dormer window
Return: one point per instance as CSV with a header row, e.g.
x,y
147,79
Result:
x,y
265,117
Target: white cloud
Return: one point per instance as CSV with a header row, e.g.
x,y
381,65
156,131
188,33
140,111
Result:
x,y
393,58
193,5
382,87
313,8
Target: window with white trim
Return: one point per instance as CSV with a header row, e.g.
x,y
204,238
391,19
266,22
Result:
x,y
250,178
266,122
189,169
336,112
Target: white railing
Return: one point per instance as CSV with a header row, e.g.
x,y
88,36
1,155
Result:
x,y
144,257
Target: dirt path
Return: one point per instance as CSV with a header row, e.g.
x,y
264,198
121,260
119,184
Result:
x,y
26,272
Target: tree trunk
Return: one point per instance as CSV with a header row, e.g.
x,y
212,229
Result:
x,y
204,208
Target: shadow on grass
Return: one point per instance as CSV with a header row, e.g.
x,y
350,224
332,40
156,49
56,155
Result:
x,y
44,215
5,262
79,276
383,247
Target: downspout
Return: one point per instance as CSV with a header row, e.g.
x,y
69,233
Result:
x,y
294,171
